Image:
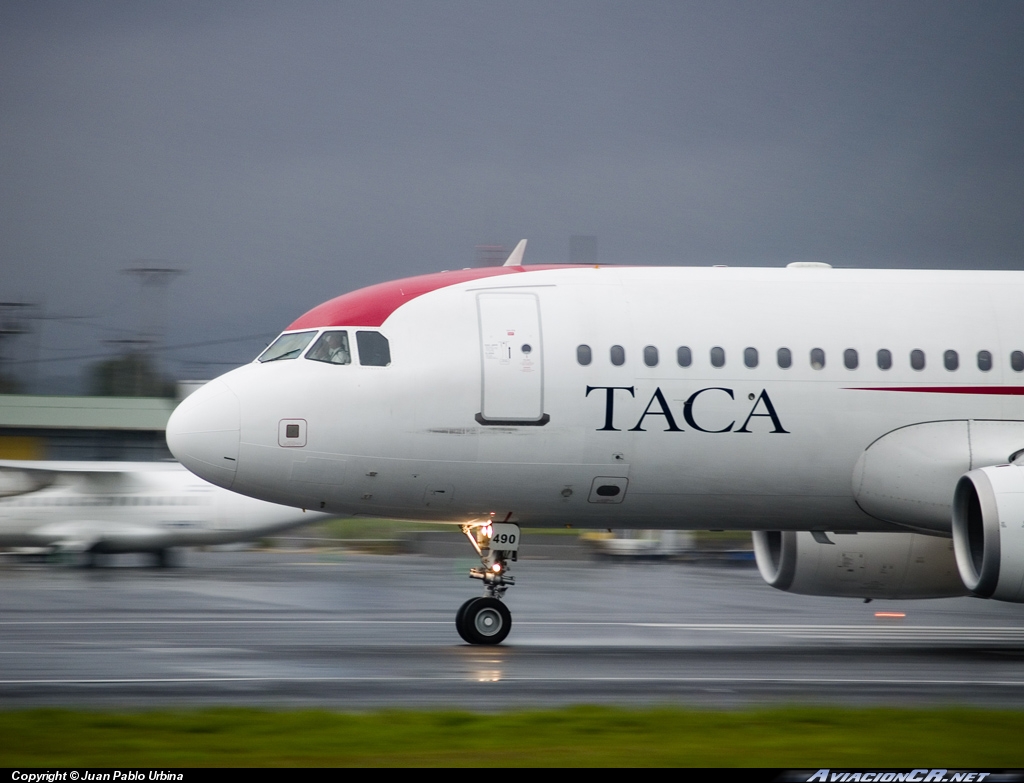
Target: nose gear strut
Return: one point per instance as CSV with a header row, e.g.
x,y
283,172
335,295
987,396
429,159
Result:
x,y
486,620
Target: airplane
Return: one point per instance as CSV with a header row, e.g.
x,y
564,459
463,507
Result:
x,y
98,508
866,425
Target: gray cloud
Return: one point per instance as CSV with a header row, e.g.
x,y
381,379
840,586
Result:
x,y
283,153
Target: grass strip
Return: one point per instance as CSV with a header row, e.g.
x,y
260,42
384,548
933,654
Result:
x,y
576,736
345,528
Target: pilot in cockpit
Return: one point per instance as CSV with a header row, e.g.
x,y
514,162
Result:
x,y
332,347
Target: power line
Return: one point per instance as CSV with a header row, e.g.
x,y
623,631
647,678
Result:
x,y
167,348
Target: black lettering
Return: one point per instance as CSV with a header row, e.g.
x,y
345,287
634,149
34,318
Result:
x,y
663,412
770,414
609,405
688,409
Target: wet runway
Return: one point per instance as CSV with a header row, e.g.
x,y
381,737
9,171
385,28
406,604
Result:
x,y
360,632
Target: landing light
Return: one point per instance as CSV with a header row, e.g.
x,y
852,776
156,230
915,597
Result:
x,y
496,567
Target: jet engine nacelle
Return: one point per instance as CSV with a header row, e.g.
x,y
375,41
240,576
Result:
x,y
988,532
863,565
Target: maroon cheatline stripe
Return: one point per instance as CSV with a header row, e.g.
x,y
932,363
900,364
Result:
x,y
1015,391
374,305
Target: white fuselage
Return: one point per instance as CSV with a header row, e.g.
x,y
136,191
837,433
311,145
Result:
x,y
123,507
466,423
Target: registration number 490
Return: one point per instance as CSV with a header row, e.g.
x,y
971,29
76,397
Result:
x,y
504,536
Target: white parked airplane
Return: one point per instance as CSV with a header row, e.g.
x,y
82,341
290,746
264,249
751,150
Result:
x,y
108,507
804,403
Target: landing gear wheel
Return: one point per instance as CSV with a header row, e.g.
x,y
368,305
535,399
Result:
x,y
460,621
484,620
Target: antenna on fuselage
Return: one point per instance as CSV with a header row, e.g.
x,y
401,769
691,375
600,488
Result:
x,y
516,257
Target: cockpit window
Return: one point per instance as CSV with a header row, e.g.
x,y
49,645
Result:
x,y
287,346
374,350
332,348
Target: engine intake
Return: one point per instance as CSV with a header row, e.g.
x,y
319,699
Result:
x,y
988,532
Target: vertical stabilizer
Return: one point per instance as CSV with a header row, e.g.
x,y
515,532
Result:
x,y
516,257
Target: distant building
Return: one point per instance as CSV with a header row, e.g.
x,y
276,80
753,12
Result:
x,y
84,428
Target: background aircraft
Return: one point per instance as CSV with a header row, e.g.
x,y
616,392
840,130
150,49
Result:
x,y
111,507
867,424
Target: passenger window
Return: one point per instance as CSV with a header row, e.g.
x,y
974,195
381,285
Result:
x,y
717,357
651,356
683,356
583,354
374,349
917,359
785,357
984,361
331,348
884,359
1017,361
850,359
287,346
951,360
618,355
750,357
817,358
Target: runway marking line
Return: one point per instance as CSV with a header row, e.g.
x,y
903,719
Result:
x,y
887,630
841,633
693,680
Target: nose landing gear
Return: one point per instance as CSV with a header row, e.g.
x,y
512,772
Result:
x,y
486,620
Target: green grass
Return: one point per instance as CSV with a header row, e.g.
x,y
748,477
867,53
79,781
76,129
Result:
x,y
368,527
576,736
374,528
722,537
362,528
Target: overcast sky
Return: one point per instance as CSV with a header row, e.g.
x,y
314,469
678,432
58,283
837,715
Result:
x,y
283,153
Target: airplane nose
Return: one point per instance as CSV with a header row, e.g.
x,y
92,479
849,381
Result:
x,y
203,433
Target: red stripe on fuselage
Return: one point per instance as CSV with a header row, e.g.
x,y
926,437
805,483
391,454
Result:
x,y
1003,390
371,306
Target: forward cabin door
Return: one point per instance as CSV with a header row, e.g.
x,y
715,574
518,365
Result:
x,y
512,359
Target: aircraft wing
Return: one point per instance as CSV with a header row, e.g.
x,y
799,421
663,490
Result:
x,y
20,477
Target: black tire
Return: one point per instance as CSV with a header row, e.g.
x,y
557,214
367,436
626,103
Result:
x,y
165,558
486,621
93,559
460,620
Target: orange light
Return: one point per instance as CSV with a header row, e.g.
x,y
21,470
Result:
x,y
890,614
496,567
